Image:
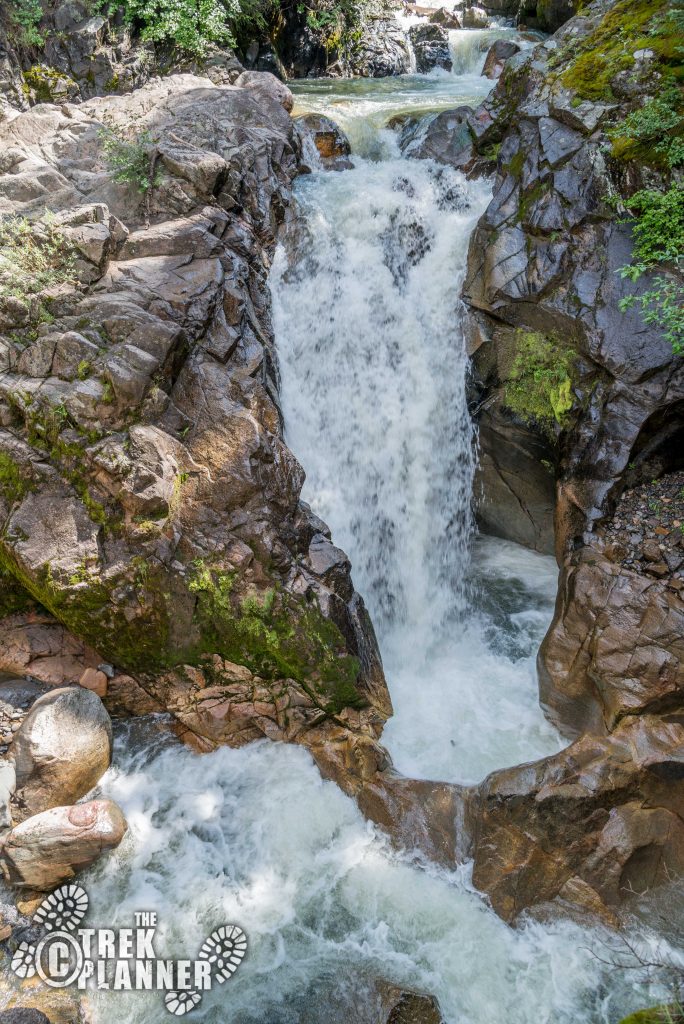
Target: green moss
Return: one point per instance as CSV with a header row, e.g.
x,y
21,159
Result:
x,y
515,164
41,81
538,385
274,636
15,481
656,1015
13,597
602,54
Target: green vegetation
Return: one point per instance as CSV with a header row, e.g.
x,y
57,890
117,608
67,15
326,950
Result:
x,y
275,637
336,22
658,231
13,597
15,481
42,82
671,1014
131,161
33,258
24,21
654,132
591,62
192,25
538,386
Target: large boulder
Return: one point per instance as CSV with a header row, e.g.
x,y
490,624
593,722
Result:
x,y
62,748
52,847
592,826
266,84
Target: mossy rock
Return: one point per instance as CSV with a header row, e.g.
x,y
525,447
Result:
x,y
656,1015
14,598
538,380
592,63
274,634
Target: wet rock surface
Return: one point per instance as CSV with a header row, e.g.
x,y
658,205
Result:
x,y
431,47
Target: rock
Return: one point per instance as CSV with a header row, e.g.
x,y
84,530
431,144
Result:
x,y
446,138
605,811
615,647
267,85
62,748
402,1006
651,551
51,847
431,47
447,19
497,55
8,784
23,1015
382,50
475,17
332,144
95,681
547,16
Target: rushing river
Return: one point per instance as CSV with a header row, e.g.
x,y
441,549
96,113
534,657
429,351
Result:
x,y
368,327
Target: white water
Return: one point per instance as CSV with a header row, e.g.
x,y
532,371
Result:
x,y
256,837
373,370
373,389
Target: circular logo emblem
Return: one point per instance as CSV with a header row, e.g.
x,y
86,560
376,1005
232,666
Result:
x,y
59,959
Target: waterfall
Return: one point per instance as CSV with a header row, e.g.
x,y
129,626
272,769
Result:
x,y
370,338
369,331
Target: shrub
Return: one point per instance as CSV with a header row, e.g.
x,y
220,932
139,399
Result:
x,y
656,129
539,383
192,25
129,160
24,23
658,231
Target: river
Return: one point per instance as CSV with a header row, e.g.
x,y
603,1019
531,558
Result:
x,y
368,328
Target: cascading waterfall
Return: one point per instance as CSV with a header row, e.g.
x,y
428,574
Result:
x,y
368,327
373,368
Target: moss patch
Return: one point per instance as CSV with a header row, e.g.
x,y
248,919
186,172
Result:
x,y
538,383
595,59
13,597
15,481
275,636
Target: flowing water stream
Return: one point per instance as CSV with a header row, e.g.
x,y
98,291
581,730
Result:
x,y
368,328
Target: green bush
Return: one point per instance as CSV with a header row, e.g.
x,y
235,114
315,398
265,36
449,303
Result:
x,y
24,20
192,25
658,232
538,386
129,160
654,130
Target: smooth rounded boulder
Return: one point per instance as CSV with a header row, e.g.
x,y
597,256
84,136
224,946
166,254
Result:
x,y
62,749
50,848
